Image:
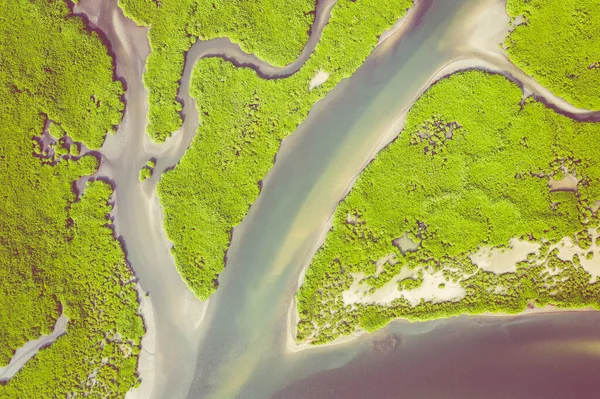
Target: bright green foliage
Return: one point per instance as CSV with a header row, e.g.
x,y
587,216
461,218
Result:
x,y
35,64
480,183
74,150
145,173
274,30
244,119
558,44
410,283
55,251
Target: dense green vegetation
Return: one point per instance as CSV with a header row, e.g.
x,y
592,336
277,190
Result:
x,y
471,168
58,253
558,44
148,169
145,173
244,119
274,30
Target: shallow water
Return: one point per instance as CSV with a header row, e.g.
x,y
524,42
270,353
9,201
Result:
x,y
543,356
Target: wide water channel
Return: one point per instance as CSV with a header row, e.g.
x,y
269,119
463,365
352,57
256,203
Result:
x,y
237,345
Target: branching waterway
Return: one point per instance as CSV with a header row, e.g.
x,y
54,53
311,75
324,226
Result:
x,y
238,343
29,350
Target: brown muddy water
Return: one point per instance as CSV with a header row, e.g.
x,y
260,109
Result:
x,y
544,356
236,345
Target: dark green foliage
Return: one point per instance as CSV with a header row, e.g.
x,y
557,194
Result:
x,y
484,185
244,119
558,44
274,30
56,251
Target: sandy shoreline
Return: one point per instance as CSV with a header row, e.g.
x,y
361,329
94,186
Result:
x,y
147,356
482,51
401,24
294,347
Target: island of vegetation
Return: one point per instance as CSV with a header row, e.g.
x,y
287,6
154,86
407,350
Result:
x,y
269,29
58,253
244,118
148,169
485,203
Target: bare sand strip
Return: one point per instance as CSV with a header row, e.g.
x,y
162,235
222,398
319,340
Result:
x,y
481,49
147,356
320,78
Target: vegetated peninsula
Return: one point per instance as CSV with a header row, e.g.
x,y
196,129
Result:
x,y
57,250
243,120
485,203
558,43
273,30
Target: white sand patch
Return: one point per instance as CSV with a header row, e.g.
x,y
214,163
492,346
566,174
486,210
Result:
x,y
499,290
567,249
429,291
552,271
352,219
320,78
518,20
592,266
504,260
